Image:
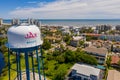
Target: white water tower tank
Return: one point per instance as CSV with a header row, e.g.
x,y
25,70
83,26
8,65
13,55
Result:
x,y
24,36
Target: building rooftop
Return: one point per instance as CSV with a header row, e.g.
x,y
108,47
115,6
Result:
x,y
113,75
115,59
86,69
76,38
93,49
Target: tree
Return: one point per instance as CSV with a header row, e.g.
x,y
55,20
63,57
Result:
x,y
3,49
69,56
60,75
56,53
88,38
60,59
67,39
46,44
82,56
81,43
62,47
108,62
3,41
112,47
119,62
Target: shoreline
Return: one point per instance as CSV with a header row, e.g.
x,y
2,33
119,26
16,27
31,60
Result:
x,y
73,22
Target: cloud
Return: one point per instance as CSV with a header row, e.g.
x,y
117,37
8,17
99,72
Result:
x,y
71,9
32,2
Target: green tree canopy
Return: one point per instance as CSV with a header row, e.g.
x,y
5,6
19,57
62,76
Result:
x,y
67,39
46,44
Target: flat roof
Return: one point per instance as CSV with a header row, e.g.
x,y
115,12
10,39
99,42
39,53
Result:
x,y
93,49
113,75
86,69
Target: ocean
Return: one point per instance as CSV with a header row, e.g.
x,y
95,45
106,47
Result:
x,y
75,22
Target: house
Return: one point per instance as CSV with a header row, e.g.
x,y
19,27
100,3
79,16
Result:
x,y
114,61
54,39
116,47
65,30
87,44
84,72
101,43
113,75
75,42
76,31
99,53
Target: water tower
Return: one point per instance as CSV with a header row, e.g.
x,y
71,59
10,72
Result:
x,y
24,39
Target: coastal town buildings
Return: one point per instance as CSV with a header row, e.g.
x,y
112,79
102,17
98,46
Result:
x,y
98,47
75,42
76,31
65,30
116,47
103,28
117,27
54,39
84,72
99,53
110,37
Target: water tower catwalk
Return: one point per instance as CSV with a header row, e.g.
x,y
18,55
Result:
x,y
25,43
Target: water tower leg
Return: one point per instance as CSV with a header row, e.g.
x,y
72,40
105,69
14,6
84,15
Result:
x,y
38,60
27,66
42,62
9,63
17,66
33,70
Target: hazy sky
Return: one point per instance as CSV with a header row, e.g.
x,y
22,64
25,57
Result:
x,y
60,9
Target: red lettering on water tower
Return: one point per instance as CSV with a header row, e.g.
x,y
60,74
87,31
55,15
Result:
x,y
31,35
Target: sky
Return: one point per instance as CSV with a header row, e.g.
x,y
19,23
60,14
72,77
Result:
x,y
60,9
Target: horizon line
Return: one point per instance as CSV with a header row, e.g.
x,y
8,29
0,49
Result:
x,y
65,19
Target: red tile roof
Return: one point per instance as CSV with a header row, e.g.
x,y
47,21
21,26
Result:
x,y
93,34
115,59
